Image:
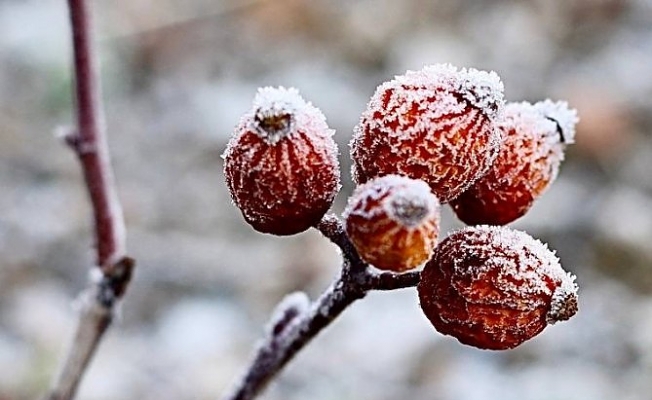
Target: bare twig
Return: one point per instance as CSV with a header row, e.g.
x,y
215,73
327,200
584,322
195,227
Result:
x,y
279,346
98,302
89,142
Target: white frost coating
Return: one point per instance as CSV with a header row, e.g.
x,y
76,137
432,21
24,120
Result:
x,y
482,89
435,124
527,117
392,191
564,302
561,114
296,303
504,246
271,102
277,101
535,138
542,121
281,160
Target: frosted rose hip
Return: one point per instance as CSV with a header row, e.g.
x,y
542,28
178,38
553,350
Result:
x,y
281,164
494,287
534,140
436,124
393,222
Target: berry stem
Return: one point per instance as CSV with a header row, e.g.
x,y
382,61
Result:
x,y
279,346
89,142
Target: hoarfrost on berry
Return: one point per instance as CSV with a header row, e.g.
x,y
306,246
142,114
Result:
x,y
403,190
494,287
436,124
564,117
281,164
527,164
393,222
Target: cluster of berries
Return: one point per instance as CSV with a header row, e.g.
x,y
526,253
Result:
x,y
429,137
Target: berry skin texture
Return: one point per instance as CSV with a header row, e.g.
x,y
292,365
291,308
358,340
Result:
x,y
393,222
494,287
534,140
437,124
281,164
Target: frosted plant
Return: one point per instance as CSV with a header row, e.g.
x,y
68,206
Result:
x,y
426,137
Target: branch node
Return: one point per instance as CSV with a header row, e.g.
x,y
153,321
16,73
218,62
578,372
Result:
x,y
114,281
75,141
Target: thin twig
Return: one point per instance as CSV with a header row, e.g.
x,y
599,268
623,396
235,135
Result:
x,y
90,143
279,346
98,302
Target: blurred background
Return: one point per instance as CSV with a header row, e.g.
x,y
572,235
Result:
x,y
177,76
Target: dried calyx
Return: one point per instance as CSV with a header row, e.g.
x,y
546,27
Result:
x,y
273,126
563,304
409,210
564,118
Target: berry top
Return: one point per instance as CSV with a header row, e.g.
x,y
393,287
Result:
x,y
565,118
480,89
527,266
531,137
279,113
436,124
404,200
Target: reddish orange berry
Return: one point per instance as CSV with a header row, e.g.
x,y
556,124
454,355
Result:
x,y
393,222
534,139
494,287
281,164
436,124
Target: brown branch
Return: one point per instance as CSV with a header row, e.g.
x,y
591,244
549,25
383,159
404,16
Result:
x,y
392,281
89,142
98,302
294,327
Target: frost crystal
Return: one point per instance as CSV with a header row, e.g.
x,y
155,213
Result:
x,y
407,201
281,164
495,287
292,306
393,222
275,110
482,89
519,256
436,124
564,117
563,304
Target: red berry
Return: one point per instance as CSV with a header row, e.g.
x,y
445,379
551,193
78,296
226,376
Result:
x,y
281,164
436,124
393,222
534,139
494,287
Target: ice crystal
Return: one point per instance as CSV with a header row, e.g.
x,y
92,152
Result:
x,y
436,124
